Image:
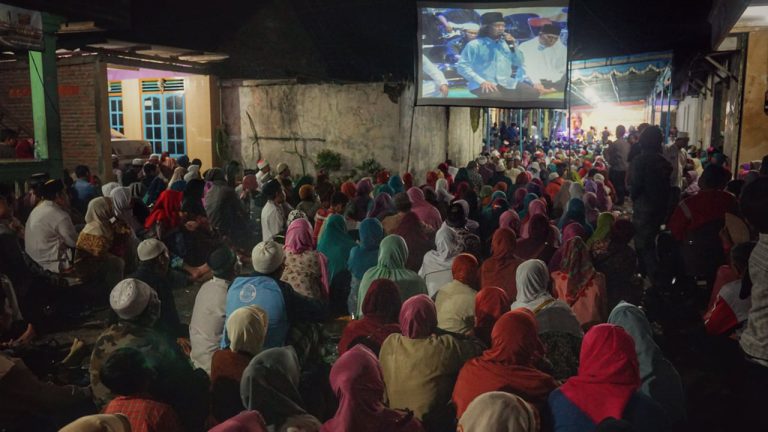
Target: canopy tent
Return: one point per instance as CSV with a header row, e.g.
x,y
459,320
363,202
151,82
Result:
x,y
617,79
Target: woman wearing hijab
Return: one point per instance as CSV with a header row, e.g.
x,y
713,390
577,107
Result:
x,y
529,198
510,219
580,285
357,381
575,213
335,243
490,304
407,181
362,200
536,207
128,228
617,261
606,387
591,209
499,268
417,240
560,201
165,213
270,385
436,265
349,189
539,244
558,327
393,253
427,214
508,365
178,176
604,202
570,231
363,257
381,308
95,261
420,366
485,195
397,185
383,206
455,301
602,230
306,270
246,329
500,412
659,379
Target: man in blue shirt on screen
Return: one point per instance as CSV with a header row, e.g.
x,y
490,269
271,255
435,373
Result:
x,y
486,62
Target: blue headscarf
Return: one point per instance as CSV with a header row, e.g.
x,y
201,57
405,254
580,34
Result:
x,y
335,243
366,254
396,183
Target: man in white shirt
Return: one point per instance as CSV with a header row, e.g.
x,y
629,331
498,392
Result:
x,y
275,211
433,83
209,313
545,60
50,236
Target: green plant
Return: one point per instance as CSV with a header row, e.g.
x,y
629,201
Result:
x,y
328,160
370,167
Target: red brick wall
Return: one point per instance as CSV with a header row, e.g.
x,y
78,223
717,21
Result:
x,y
82,106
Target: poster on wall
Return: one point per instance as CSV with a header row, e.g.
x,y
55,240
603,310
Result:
x,y
20,28
507,55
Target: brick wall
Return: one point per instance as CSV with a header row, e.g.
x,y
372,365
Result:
x,y
85,136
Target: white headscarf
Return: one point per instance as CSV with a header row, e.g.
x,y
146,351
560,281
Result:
x,y
247,328
532,281
441,188
436,267
106,190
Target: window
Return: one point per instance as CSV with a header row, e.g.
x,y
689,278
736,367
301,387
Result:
x,y
116,106
163,114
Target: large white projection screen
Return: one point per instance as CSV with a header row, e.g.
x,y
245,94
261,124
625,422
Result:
x,y
512,55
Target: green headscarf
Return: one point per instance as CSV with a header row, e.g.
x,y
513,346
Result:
x,y
335,244
604,224
393,253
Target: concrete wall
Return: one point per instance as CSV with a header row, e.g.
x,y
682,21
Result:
x,y
754,128
359,121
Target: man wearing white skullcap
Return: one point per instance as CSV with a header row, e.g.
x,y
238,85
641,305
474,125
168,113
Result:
x,y
277,298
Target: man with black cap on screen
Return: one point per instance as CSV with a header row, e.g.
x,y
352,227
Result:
x,y
545,60
486,62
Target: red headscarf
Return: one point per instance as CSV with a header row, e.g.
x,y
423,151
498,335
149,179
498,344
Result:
x,y
382,177
490,304
577,263
573,229
500,268
608,373
349,189
519,198
432,178
166,210
246,421
508,365
381,309
465,269
357,381
521,179
461,189
412,231
500,186
408,181
418,317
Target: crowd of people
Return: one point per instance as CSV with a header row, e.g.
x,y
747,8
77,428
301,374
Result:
x,y
545,290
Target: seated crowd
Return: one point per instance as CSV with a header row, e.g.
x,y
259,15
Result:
x,y
510,294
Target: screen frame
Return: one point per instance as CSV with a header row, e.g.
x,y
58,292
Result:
x,y
489,103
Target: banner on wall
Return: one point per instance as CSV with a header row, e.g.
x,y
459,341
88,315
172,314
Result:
x,y
20,28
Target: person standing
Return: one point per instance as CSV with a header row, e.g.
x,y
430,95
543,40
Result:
x,y
650,173
617,154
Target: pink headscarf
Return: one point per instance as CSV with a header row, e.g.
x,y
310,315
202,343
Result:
x,y
246,421
536,206
427,213
299,239
357,381
510,219
418,317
